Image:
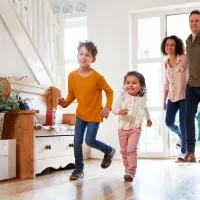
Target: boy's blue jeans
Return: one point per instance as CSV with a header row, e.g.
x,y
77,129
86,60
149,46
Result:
x,y
172,109
90,139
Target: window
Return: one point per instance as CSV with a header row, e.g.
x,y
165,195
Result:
x,y
183,30
75,30
72,37
149,42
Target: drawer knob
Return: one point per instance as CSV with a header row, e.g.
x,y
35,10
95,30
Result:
x,y
48,147
71,145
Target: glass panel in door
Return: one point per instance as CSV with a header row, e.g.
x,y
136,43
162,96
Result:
x,y
149,38
153,141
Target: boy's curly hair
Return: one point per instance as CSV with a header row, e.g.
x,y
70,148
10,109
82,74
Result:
x,y
179,49
89,46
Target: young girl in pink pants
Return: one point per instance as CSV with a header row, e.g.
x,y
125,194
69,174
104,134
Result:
x,y
131,108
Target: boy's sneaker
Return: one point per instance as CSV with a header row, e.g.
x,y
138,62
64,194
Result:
x,y
107,160
128,177
77,174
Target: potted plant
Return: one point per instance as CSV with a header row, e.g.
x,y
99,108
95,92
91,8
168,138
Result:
x,y
9,101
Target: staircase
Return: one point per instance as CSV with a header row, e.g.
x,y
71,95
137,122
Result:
x,y
34,28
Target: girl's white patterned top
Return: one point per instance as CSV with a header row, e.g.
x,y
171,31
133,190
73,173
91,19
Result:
x,y
137,110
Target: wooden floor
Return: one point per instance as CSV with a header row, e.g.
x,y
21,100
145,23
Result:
x,y
155,180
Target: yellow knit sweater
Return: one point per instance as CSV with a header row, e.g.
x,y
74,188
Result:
x,y
87,90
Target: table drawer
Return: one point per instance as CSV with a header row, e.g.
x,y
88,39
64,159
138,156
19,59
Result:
x,y
51,147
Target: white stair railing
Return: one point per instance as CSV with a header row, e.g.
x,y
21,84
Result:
x,y
42,26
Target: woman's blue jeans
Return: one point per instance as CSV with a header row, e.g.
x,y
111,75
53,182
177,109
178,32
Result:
x,y
171,111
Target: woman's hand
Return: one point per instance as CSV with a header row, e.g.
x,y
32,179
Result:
x,y
164,106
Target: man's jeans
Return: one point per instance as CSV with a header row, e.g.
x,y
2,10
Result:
x,y
90,139
172,109
192,99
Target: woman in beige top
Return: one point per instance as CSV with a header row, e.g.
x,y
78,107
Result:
x,y
176,77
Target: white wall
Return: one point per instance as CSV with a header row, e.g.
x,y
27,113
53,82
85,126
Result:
x,y
12,62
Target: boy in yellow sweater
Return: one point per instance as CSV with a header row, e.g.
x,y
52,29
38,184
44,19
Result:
x,y
86,85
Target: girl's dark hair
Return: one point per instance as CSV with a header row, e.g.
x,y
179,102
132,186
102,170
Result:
x,y
141,81
179,50
89,46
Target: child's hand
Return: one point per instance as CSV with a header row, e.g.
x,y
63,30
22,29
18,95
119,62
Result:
x,y
123,112
105,112
149,123
62,102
